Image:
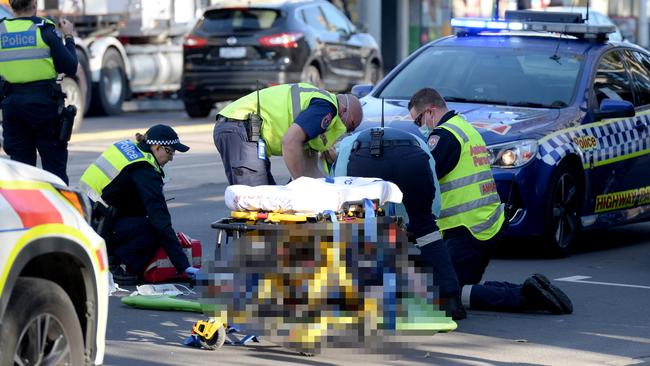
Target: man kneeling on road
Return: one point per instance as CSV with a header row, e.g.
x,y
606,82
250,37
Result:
x,y
128,178
472,216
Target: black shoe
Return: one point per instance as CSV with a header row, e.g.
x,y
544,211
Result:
x,y
560,296
122,277
454,308
534,297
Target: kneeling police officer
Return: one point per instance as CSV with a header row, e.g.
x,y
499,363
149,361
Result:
x,y
128,178
402,158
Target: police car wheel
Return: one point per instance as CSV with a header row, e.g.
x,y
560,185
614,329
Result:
x,y
563,203
40,326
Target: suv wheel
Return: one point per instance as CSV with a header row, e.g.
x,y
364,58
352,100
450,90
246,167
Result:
x,y
40,326
198,109
311,75
562,222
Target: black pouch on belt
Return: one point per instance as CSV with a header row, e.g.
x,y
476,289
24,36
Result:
x,y
67,122
253,127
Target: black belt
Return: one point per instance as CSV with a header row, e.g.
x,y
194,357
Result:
x,y
386,143
48,87
221,118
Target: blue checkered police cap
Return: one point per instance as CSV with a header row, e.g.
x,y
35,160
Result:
x,y
165,136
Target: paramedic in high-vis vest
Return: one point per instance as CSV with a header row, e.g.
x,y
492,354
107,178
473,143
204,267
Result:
x,y
128,176
472,216
32,53
295,121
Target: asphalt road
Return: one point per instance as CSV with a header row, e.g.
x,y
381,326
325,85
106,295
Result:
x,y
608,281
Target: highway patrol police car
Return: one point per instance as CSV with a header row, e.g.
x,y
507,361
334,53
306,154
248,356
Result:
x,y
564,113
53,272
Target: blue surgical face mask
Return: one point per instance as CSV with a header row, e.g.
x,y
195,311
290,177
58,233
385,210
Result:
x,y
425,130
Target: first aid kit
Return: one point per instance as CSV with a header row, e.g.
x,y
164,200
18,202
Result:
x,y
161,269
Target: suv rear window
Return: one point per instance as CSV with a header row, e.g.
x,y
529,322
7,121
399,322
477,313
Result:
x,y
233,20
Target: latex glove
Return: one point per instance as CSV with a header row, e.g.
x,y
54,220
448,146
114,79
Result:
x,y
192,271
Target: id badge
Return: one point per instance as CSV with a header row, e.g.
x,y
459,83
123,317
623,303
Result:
x,y
261,149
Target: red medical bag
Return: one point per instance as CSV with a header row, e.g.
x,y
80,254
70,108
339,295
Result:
x,y
161,269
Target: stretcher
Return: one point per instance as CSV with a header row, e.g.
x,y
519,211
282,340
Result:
x,y
340,278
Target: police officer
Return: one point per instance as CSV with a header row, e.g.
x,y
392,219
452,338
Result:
x,y
128,177
292,115
32,53
404,159
472,215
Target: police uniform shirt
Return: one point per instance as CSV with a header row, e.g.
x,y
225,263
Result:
x,y
316,118
444,146
64,56
138,192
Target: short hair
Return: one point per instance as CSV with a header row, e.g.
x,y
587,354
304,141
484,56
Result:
x,y
425,97
21,5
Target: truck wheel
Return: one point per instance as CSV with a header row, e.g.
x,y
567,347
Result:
x,y
83,75
40,326
110,91
197,109
74,95
562,221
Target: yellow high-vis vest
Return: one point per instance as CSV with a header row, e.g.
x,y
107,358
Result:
x,y
24,56
109,165
469,193
279,107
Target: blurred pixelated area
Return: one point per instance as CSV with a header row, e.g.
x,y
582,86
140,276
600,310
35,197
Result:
x,y
322,285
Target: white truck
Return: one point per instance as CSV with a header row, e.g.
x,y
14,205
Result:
x,y
126,48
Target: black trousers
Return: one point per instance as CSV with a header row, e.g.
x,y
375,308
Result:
x,y
30,123
134,241
470,258
408,167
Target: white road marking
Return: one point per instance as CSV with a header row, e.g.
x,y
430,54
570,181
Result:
x,y
581,279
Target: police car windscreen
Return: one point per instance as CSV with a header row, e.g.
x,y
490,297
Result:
x,y
490,75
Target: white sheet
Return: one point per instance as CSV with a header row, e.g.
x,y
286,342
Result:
x,y
310,195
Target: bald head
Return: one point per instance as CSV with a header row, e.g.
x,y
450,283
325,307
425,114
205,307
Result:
x,y
350,111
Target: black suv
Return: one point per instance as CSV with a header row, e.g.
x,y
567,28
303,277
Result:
x,y
232,47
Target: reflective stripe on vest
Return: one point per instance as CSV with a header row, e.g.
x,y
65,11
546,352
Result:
x,y
279,107
24,55
109,165
469,195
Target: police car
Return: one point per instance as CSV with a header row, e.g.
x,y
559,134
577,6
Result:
x,y
563,110
53,272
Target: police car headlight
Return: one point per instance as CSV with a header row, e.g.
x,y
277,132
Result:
x,y
512,154
78,200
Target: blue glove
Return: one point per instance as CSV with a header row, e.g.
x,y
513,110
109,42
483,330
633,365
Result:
x,y
192,271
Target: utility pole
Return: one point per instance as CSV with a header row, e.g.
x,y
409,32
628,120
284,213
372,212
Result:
x,y
643,23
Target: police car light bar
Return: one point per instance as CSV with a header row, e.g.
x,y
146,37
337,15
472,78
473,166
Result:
x,y
476,25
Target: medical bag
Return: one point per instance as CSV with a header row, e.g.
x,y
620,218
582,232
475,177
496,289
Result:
x,y
161,269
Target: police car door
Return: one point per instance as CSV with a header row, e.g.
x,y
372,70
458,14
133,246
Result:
x,y
610,146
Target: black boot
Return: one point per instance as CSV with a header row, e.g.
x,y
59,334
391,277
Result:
x,y
453,307
535,298
560,296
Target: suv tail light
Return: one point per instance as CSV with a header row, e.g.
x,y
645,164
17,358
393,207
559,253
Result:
x,y
284,40
194,42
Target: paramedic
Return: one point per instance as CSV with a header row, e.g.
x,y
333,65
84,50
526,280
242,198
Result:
x,y
128,177
32,54
297,122
394,155
472,216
